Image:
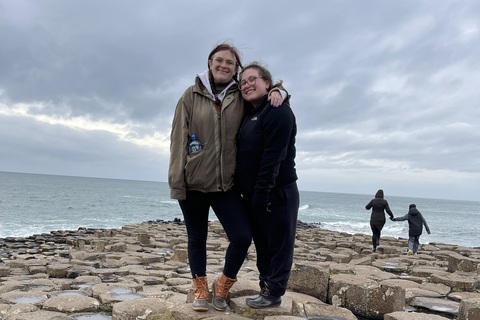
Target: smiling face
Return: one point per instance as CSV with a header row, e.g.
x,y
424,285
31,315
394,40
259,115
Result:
x,y
253,86
223,66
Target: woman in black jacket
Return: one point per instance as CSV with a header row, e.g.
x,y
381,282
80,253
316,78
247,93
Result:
x,y
377,219
266,177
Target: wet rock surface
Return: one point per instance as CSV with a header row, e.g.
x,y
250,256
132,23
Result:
x,y
141,272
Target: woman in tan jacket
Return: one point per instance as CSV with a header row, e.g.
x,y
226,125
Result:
x,y
212,110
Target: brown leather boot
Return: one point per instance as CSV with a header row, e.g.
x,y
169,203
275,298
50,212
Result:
x,y
220,288
200,289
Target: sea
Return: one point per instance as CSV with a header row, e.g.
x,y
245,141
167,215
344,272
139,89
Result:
x,y
32,204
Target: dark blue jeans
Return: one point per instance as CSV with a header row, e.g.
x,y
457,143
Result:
x,y
230,211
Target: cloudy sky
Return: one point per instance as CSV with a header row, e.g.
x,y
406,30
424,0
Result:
x,y
386,93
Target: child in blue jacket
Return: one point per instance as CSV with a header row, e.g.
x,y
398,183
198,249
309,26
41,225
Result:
x,y
415,226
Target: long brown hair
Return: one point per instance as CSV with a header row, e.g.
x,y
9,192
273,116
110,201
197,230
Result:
x,y
226,46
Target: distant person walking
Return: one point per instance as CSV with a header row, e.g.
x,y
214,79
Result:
x,y
377,219
416,222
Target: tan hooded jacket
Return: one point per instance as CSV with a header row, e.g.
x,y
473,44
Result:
x,y
213,168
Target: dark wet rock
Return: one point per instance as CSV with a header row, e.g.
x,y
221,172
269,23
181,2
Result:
x,y
437,305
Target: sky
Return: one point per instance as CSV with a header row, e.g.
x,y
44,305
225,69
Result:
x,y
385,93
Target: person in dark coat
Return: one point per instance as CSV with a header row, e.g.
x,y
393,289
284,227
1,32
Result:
x,y
377,219
266,177
416,222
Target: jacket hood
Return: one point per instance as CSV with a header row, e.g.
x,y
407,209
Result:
x,y
413,211
203,77
379,194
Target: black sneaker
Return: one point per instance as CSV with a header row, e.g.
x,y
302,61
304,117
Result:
x,y
263,292
265,302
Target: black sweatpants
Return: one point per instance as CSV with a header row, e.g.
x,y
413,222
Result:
x,y
230,211
274,237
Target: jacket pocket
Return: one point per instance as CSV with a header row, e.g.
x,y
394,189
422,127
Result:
x,y
278,196
284,195
194,173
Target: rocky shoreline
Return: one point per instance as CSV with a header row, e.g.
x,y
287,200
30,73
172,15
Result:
x,y
141,272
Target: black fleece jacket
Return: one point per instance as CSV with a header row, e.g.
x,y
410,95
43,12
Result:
x,y
266,149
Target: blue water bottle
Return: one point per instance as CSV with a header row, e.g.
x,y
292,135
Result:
x,y
194,146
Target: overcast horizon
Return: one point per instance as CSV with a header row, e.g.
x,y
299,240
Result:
x,y
385,93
